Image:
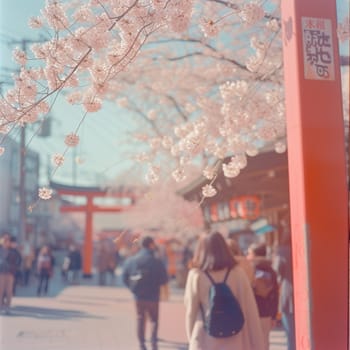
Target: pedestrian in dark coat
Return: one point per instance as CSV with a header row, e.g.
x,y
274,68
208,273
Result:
x,y
17,262
74,266
8,267
144,274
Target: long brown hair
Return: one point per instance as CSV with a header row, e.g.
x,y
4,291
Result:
x,y
212,253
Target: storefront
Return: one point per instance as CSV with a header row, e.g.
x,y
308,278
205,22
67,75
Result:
x,y
258,194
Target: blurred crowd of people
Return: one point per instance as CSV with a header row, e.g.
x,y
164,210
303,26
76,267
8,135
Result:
x,y
25,265
261,281
19,264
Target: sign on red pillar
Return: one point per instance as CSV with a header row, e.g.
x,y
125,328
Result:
x,y
87,256
317,175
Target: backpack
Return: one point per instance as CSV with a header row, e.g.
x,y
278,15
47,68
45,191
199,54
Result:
x,y
224,317
139,280
263,283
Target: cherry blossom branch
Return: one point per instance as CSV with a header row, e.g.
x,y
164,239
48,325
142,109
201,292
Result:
x,y
206,45
52,92
226,4
177,107
118,18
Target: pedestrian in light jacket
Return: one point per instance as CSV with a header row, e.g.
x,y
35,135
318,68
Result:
x,y
213,255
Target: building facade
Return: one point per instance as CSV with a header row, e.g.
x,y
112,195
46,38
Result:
x,y
253,204
10,178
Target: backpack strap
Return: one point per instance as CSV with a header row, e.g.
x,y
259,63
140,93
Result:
x,y
227,273
211,278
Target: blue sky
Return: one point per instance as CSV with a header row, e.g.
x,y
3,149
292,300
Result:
x,y
104,135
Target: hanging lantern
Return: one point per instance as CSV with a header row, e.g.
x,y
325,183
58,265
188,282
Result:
x,y
245,207
250,207
234,208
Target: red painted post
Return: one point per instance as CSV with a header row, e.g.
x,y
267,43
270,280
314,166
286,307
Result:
x,y
88,248
317,163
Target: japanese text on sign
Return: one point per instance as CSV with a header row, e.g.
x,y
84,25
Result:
x,y
318,48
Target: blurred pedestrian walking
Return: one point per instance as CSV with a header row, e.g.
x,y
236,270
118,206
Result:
x,y
17,261
212,256
28,257
8,267
45,263
241,259
144,274
74,265
265,288
106,263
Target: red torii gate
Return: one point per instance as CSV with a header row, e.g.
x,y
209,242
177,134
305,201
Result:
x,y
89,208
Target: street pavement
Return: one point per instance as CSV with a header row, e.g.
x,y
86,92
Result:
x,y
90,317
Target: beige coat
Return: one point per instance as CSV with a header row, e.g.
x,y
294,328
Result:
x,y
197,291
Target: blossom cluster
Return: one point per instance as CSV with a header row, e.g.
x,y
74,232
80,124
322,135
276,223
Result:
x,y
58,159
209,191
71,140
45,193
216,94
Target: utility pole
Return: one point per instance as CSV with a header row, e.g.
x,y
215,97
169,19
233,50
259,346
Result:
x,y
22,236
22,177
22,186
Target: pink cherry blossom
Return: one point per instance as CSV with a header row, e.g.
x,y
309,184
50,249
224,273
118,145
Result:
x,y
20,56
55,16
71,140
251,13
142,157
45,193
35,22
179,174
343,30
123,102
209,191
209,172
231,169
58,159
209,28
152,176
92,104
167,142
152,114
280,147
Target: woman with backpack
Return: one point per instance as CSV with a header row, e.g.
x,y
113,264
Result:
x,y
221,312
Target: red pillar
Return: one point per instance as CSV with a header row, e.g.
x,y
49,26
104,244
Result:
x,y
88,249
317,163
